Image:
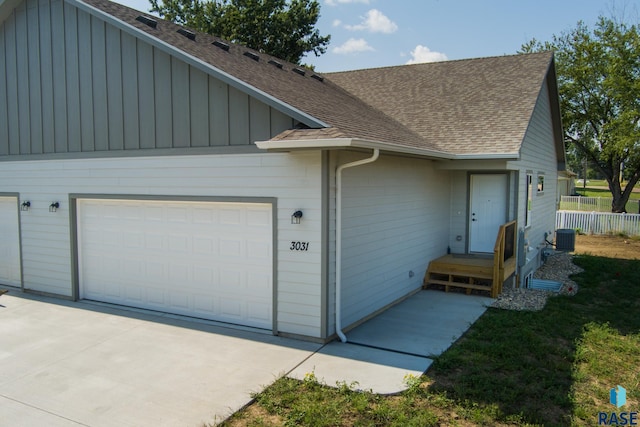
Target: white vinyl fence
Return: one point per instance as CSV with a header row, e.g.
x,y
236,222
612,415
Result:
x,y
599,222
591,204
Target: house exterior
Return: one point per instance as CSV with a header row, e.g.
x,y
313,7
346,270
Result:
x,y
146,165
566,184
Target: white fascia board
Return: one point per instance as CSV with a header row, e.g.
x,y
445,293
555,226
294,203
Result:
x,y
203,66
488,156
324,144
305,144
384,146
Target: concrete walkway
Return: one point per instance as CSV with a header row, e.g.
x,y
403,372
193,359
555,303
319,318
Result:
x,y
78,363
382,351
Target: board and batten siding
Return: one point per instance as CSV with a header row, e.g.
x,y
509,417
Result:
x,y
395,220
71,83
293,179
538,157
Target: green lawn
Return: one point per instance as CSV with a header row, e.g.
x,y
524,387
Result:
x,y
602,192
552,367
598,183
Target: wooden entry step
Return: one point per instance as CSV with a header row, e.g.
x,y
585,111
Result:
x,y
469,272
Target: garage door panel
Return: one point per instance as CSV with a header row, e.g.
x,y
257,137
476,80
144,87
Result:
x,y
230,248
205,246
231,308
205,259
204,277
10,242
259,313
259,251
204,303
258,282
178,301
229,216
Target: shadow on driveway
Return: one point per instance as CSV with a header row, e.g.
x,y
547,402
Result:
x,y
77,363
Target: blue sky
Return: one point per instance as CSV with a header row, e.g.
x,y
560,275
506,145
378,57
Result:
x,y
376,33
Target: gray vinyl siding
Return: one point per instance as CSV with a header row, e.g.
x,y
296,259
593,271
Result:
x,y
4,128
395,220
294,180
72,83
538,156
459,206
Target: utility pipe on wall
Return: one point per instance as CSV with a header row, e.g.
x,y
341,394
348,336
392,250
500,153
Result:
x,y
373,158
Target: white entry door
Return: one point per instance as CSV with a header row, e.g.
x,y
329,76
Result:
x,y
488,210
9,242
211,260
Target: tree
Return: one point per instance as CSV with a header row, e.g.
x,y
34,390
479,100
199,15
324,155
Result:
x,y
281,28
599,84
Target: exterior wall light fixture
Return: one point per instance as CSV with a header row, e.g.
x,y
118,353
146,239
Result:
x,y
296,217
25,205
53,207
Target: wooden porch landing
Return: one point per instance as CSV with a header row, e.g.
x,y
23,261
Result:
x,y
483,273
463,272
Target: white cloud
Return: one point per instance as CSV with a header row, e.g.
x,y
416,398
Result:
x,y
336,2
423,54
353,46
337,22
376,22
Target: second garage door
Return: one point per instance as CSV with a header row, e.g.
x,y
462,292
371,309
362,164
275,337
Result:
x,y
9,242
211,260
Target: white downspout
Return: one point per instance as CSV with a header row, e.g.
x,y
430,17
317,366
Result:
x,y
373,158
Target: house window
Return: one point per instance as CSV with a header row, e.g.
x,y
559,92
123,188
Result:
x,y
529,190
540,183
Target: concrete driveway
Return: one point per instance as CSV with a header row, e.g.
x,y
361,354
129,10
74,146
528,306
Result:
x,y
76,363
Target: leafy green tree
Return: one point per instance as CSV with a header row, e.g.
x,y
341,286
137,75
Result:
x,y
599,83
281,28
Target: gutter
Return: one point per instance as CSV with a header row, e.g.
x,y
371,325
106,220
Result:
x,y
337,143
373,158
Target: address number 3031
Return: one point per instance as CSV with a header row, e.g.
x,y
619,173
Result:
x,y
299,246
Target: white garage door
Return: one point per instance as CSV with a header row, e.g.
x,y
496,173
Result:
x,y
9,242
205,259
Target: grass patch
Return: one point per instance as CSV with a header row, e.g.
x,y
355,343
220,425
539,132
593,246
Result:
x,y
552,367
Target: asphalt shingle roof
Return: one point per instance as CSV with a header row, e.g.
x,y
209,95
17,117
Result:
x,y
463,107
460,107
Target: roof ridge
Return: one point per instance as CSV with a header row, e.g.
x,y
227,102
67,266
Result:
x,y
449,61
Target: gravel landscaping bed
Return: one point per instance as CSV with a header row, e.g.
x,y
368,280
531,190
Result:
x,y
559,267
